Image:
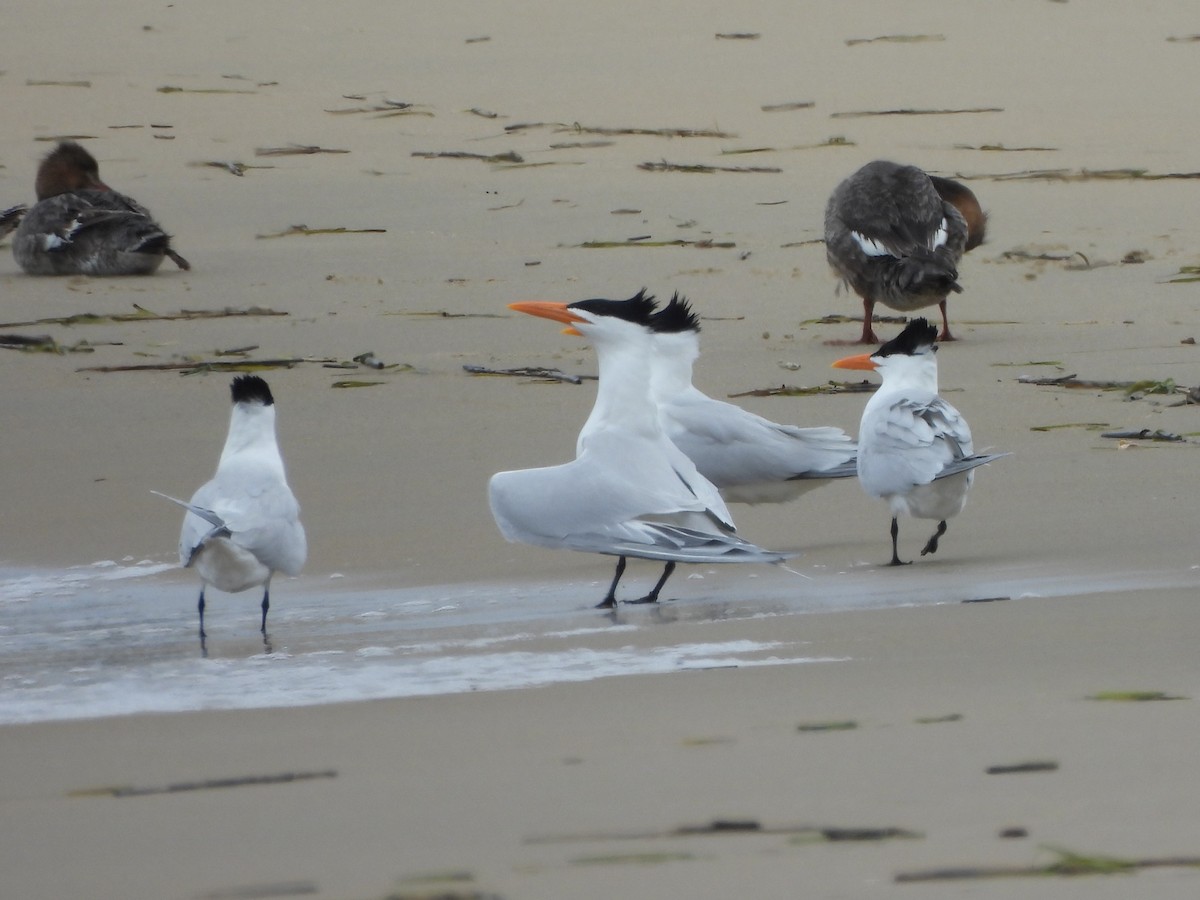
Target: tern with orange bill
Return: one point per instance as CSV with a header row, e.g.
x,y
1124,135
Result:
x,y
914,449
895,235
629,492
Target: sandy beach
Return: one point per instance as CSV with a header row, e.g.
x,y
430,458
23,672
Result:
x,y
479,155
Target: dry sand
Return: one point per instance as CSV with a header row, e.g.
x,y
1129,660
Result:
x,y
392,477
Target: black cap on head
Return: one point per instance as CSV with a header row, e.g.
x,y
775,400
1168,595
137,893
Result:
x,y
675,317
637,309
916,335
251,389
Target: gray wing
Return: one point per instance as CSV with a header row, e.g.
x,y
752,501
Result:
x,y
913,443
11,218
896,207
671,543
621,496
262,518
89,232
732,446
195,533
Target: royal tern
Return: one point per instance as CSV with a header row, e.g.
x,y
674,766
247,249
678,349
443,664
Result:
x,y
629,491
914,448
244,525
81,226
750,459
896,234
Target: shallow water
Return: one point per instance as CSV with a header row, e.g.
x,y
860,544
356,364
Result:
x,y
121,638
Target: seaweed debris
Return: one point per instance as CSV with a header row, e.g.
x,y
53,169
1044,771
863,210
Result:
x,y
862,114
1067,863
206,785
896,39
829,388
734,827
295,150
702,169
704,244
304,230
510,157
537,373
142,314
1128,174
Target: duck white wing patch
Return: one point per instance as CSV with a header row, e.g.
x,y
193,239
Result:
x,y
870,246
940,236
56,241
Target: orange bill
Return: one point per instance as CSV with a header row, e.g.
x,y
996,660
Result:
x,y
862,361
548,309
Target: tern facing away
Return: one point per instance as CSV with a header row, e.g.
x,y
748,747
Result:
x,y
244,524
896,234
750,459
914,449
629,491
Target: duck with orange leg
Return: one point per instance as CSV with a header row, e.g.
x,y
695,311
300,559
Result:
x,y
895,235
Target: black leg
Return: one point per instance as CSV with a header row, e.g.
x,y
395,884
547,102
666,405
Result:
x,y
896,561
932,545
652,597
203,642
266,604
610,600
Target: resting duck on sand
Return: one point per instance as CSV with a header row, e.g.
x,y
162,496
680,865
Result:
x,y
81,226
896,234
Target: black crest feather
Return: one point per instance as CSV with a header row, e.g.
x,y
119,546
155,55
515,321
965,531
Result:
x,y
917,334
251,389
675,317
638,309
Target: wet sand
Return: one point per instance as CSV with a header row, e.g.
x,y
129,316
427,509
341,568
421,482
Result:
x,y
575,790
392,477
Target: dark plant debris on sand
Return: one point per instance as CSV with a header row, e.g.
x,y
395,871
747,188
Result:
x,y
1134,390
1067,863
830,388
733,827
305,231
861,114
1023,767
704,169
141,314
1081,175
538,373
206,785
703,244
896,39
295,150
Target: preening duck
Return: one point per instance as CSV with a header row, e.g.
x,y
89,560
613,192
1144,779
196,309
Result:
x,y
896,235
